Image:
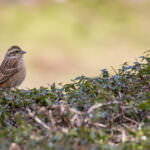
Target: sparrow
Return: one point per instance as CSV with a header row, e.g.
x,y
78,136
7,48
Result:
x,y
12,68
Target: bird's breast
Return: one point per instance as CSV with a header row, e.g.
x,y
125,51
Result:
x,y
21,74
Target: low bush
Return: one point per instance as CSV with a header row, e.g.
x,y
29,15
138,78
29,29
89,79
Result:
x,y
109,112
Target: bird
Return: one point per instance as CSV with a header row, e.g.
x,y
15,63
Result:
x,y
12,68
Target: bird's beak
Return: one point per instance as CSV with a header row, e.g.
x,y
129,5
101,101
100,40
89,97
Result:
x,y
23,52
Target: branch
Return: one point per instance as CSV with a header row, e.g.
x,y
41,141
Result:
x,y
31,114
93,107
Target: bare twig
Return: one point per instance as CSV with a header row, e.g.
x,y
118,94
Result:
x,y
75,111
64,130
31,114
93,107
129,119
123,137
52,119
96,124
76,120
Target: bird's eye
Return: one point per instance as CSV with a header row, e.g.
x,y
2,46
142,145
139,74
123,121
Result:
x,y
17,51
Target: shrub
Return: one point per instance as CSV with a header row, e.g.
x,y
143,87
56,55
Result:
x,y
107,112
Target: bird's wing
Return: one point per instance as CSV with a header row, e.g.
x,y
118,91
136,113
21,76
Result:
x,y
7,69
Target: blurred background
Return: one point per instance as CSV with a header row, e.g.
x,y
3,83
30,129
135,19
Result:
x,y
68,38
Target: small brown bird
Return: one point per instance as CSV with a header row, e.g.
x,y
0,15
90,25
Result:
x,y
12,69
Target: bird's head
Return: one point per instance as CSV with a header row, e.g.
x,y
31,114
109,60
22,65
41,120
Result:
x,y
15,52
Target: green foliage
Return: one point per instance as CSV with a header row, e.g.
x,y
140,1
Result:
x,y
107,112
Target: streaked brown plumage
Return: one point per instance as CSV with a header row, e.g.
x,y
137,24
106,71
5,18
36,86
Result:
x,y
12,69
